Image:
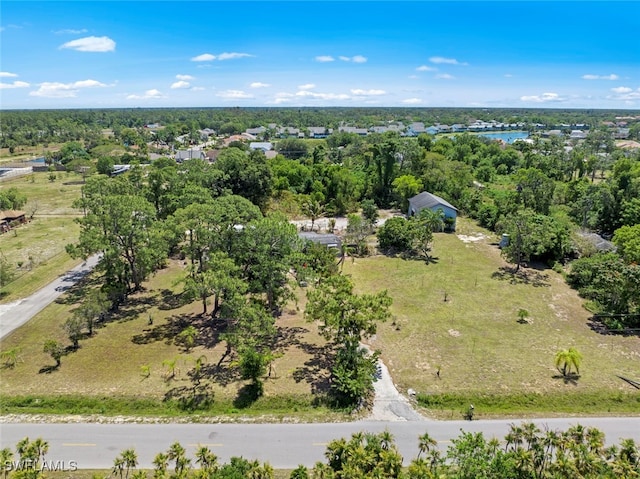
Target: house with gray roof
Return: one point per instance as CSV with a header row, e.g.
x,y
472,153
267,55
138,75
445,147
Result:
x,y
434,203
183,155
329,240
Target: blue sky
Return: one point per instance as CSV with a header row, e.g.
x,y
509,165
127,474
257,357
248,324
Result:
x,y
95,54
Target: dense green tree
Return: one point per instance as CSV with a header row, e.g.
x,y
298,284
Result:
x,y
246,175
612,284
396,235
267,249
627,239
533,235
292,148
12,199
123,229
345,318
405,187
535,190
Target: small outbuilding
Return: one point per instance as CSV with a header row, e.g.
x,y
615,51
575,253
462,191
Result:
x,y
434,203
11,218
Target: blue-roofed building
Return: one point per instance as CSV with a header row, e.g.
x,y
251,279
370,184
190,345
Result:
x,y
434,203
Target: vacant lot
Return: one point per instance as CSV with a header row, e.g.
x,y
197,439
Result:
x,y
130,358
459,315
37,249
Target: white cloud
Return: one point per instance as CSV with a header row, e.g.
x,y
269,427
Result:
x,y
235,95
205,57
447,61
7,74
426,68
208,57
184,77
180,85
354,59
322,96
544,98
412,101
508,75
600,77
414,77
282,97
622,89
148,95
70,31
257,84
625,94
64,90
325,58
15,84
445,76
91,44
359,92
306,86
232,56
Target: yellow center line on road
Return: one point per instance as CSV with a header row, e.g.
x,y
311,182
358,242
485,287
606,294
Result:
x,y
78,444
320,444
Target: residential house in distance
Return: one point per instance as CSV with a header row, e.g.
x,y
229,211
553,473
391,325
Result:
x,y
319,131
261,145
434,203
10,219
353,129
182,155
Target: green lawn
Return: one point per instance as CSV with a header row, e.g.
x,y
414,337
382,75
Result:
x,y
37,249
459,315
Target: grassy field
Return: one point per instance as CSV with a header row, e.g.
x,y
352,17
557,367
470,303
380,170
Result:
x,y
459,315
105,375
37,249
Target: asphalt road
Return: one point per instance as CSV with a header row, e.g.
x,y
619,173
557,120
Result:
x,y
15,314
282,445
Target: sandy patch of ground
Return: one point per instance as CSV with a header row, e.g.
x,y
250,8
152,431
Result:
x,y
472,238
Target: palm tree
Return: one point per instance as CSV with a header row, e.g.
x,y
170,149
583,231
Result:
x,y
160,463
130,459
425,444
568,359
207,460
432,220
6,456
118,466
313,209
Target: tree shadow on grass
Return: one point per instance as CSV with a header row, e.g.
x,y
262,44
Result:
x,y
164,332
191,398
569,378
523,276
247,395
48,369
316,371
74,294
597,324
171,300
